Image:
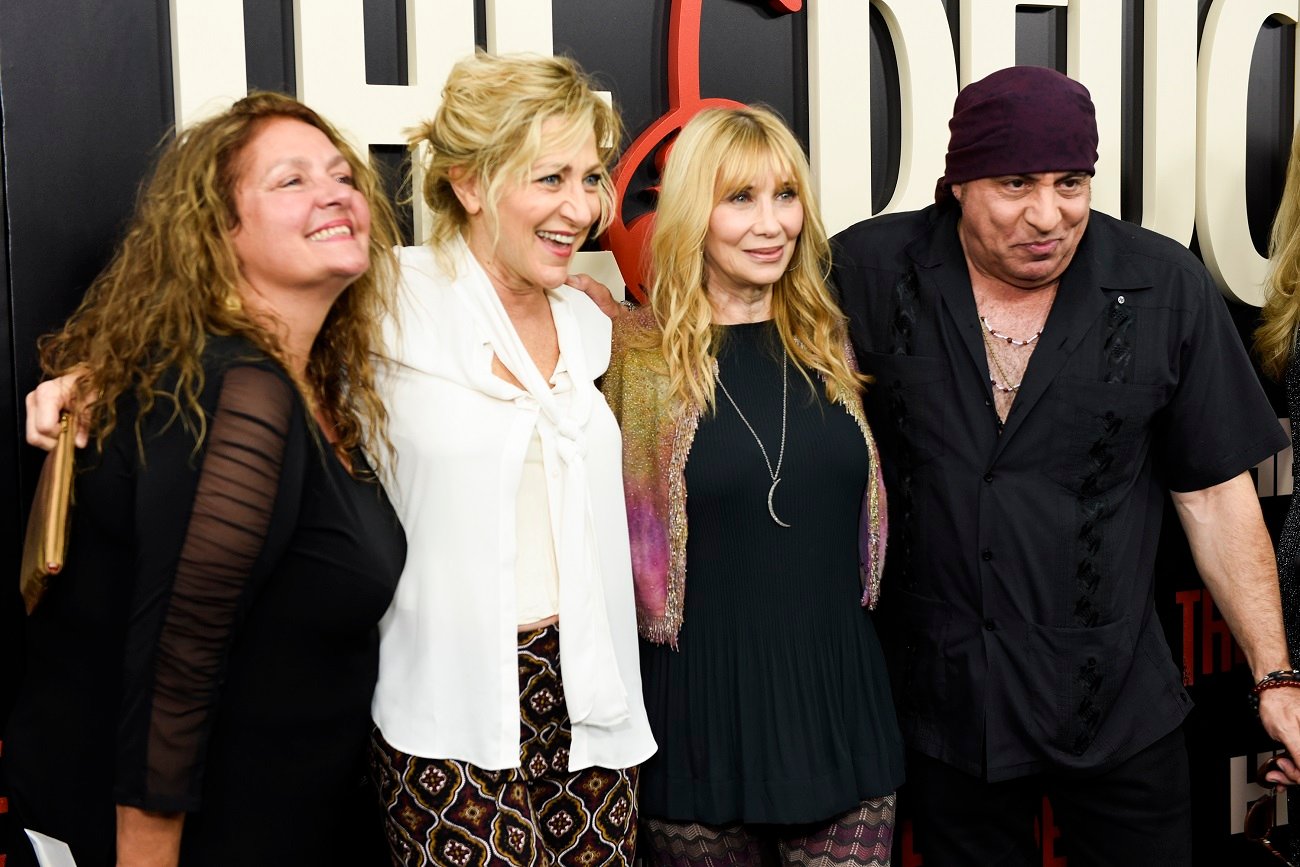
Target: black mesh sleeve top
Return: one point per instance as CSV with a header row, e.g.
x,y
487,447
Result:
x,y
212,645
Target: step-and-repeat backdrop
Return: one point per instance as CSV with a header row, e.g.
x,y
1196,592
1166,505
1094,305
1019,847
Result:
x,y
1195,106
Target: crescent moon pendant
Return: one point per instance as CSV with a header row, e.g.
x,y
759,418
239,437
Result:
x,y
770,509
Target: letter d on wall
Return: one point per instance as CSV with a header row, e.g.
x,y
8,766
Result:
x,y
1223,74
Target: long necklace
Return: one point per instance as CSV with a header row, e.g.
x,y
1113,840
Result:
x,y
774,473
1005,386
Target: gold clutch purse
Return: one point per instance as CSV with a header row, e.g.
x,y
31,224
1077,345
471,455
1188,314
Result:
x,y
48,524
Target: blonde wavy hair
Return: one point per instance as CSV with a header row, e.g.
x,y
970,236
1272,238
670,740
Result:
x,y
170,281
489,127
718,153
1275,339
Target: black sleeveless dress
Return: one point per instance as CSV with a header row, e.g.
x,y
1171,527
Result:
x,y
776,707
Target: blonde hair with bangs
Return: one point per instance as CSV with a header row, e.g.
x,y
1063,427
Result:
x,y
1275,339
489,127
718,153
172,279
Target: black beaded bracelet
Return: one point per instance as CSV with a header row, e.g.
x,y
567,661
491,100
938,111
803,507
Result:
x,y
1284,677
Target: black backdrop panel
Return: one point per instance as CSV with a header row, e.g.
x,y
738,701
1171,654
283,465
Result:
x,y
86,90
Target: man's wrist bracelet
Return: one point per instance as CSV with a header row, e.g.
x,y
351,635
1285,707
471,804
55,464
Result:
x,y
1288,677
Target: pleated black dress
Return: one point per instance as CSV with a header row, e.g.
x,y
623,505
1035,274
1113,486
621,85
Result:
x,y
212,646
776,707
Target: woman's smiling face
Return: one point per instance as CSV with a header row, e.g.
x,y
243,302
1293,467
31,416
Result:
x,y
752,235
542,222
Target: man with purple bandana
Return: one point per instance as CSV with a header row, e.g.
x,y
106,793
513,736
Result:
x,y
1044,375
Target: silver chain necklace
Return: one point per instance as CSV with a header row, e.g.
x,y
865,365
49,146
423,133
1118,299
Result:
x,y
774,473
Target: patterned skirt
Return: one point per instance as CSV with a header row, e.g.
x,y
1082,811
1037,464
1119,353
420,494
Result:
x,y
448,812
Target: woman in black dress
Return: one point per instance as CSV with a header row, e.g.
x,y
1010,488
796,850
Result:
x,y
198,680
756,516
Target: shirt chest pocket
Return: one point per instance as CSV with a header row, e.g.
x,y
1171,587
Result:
x,y
1105,432
909,402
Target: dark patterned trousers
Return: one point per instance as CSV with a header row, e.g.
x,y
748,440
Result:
x,y
448,812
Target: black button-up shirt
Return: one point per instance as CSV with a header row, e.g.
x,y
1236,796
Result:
x,y
1018,603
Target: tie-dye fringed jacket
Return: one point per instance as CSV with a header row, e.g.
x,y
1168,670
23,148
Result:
x,y
657,436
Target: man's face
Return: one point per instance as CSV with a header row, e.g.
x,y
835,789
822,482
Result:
x,y
1022,230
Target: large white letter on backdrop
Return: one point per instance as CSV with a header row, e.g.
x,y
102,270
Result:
x,y
927,83
1223,76
1169,119
208,71
1094,29
519,25
839,109
988,35
331,58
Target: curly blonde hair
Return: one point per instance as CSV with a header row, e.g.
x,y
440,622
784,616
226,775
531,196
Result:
x,y
1275,339
719,152
489,127
169,282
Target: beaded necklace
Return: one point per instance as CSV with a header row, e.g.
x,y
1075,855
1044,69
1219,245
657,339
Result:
x,y
1007,337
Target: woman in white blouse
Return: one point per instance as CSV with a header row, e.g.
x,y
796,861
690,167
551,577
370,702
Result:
x,y
508,482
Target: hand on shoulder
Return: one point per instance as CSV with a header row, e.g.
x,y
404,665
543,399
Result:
x,y
598,292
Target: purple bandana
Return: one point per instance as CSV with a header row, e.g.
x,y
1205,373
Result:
x,y
1018,121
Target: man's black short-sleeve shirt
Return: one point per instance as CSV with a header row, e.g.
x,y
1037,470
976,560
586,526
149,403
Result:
x,y
1018,600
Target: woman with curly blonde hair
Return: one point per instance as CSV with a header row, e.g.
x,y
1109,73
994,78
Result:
x,y
198,679
755,505
508,709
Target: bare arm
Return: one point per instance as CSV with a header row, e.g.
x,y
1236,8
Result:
x,y
148,839
1234,554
